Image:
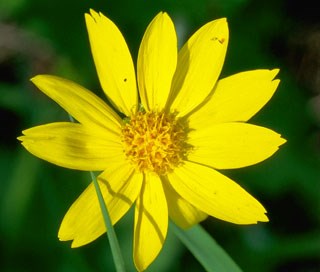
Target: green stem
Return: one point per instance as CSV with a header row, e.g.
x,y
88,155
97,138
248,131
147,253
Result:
x,y
114,244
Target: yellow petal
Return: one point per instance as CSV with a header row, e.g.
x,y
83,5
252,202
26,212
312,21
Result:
x,y
232,145
199,65
157,60
82,104
73,146
150,222
237,98
113,62
181,211
83,223
215,194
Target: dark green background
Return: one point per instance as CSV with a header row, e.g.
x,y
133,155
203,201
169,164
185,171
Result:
x,y
38,36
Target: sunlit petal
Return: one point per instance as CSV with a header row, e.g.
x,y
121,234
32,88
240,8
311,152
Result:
x,y
215,194
199,65
82,104
157,62
113,62
83,223
73,145
232,145
150,222
181,211
237,98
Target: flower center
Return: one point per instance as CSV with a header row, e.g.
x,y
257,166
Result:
x,y
154,141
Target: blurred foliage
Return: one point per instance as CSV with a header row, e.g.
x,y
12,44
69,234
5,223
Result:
x,y
50,37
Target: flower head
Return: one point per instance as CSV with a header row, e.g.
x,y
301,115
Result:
x,y
180,127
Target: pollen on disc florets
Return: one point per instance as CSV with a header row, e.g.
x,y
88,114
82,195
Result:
x,y
154,141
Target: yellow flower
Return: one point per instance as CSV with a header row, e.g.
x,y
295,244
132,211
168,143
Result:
x,y
162,150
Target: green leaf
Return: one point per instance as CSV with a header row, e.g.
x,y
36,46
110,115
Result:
x,y
205,249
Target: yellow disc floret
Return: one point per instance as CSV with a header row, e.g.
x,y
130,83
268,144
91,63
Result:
x,y
154,141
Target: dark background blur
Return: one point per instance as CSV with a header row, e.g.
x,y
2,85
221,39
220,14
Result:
x,y
39,36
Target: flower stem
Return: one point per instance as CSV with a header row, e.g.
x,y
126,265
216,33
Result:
x,y
114,245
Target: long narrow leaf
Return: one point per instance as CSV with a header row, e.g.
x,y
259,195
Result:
x,y
205,249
